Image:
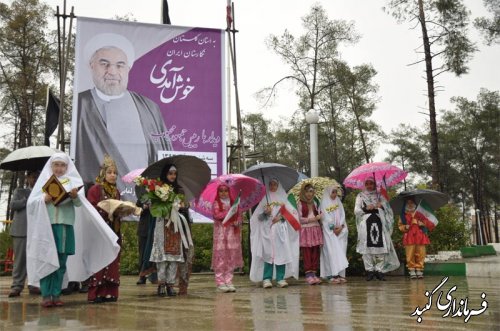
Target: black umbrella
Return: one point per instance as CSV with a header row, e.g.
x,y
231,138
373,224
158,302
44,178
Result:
x,y
192,173
434,198
287,176
27,158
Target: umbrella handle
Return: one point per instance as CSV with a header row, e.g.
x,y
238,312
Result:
x,y
263,182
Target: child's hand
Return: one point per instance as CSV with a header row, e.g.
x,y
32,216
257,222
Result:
x,y
318,217
73,193
267,210
337,230
276,219
47,197
407,227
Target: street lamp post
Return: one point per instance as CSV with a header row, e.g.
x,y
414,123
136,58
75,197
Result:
x,y
312,118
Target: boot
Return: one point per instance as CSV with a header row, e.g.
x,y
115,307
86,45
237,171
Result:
x,y
370,275
141,281
162,290
380,276
170,291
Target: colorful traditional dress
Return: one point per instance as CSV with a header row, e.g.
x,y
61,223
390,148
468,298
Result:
x,y
103,285
374,233
226,253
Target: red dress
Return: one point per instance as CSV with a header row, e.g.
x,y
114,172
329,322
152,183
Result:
x,y
104,284
415,235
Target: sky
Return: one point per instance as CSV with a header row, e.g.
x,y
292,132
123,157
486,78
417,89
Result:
x,y
384,43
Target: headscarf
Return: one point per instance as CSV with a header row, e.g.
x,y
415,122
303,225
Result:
x,y
109,188
95,243
331,207
221,205
163,177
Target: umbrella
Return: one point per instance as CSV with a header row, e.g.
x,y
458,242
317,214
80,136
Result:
x,y
319,183
129,178
392,174
434,198
250,189
192,173
286,175
27,158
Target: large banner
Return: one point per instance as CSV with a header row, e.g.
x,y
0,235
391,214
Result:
x,y
144,92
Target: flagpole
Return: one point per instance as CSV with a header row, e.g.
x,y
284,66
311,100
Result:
x,y
231,29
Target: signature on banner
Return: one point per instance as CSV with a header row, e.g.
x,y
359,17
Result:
x,y
451,308
190,141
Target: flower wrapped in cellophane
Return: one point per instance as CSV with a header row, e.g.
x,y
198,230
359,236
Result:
x,y
161,196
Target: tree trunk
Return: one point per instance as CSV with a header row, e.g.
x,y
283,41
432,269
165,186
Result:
x,y
431,94
361,135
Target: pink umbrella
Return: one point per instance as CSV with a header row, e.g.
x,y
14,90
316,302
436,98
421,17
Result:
x,y
392,174
129,178
250,189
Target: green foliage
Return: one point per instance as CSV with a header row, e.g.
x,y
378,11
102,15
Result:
x,y
490,27
129,258
451,233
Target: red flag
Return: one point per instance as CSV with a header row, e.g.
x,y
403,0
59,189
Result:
x,y
294,222
383,190
229,14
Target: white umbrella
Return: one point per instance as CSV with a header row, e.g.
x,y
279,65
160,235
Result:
x,y
27,158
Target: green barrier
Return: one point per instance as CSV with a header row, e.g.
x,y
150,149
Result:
x,y
469,251
444,269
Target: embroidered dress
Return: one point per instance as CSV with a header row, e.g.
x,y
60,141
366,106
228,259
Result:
x,y
374,233
105,283
414,239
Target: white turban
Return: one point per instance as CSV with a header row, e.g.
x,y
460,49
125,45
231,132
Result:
x,y
109,40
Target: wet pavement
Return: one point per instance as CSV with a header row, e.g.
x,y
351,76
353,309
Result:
x,y
356,305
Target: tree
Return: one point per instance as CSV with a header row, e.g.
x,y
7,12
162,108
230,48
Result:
x,y
309,52
26,59
446,47
490,27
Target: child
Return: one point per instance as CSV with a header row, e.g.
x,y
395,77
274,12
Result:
x,y
52,237
226,253
333,253
311,237
415,238
103,285
274,243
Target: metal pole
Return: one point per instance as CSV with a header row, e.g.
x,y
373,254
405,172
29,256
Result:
x,y
314,149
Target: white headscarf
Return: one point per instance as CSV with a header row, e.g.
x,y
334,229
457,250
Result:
x,y
332,210
263,236
95,243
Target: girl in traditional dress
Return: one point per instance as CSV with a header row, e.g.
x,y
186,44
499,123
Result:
x,y
274,243
311,236
61,238
415,229
172,241
374,222
226,252
103,285
333,253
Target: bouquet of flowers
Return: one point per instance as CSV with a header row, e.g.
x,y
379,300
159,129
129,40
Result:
x,y
161,196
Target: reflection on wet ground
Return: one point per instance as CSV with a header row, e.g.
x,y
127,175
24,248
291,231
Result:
x,y
357,305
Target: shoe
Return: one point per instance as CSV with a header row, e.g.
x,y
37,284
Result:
x,y
317,280
370,275
14,293
162,290
84,289
420,274
33,290
335,280
58,303
97,300
310,280
222,288
266,283
413,274
141,281
47,303
380,276
342,279
170,291
231,288
110,299
282,283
